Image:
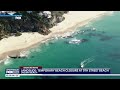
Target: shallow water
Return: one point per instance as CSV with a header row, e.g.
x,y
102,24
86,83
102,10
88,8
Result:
x,y
102,50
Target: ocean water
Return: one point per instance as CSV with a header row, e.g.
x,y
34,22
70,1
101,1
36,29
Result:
x,y
102,50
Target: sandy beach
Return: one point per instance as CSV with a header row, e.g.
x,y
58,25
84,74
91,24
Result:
x,y
73,19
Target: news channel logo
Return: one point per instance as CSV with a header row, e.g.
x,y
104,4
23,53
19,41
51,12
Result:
x,y
12,73
18,17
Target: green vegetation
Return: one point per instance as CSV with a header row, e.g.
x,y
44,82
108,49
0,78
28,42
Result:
x,y
31,21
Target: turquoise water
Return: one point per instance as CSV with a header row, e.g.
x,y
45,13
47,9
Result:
x,y
102,47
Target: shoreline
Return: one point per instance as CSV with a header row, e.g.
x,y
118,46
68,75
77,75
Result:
x,y
31,40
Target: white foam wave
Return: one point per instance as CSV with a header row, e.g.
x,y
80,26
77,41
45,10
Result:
x,y
46,43
7,61
24,53
86,61
89,24
35,50
56,37
110,13
2,61
67,34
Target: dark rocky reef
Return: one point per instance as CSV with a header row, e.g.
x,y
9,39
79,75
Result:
x,y
101,35
31,21
14,56
114,55
104,38
67,37
95,34
84,40
17,54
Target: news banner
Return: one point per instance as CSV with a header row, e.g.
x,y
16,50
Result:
x,y
39,71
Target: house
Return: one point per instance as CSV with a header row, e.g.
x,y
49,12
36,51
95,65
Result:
x,y
47,14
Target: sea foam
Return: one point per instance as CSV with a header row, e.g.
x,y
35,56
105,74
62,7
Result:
x,y
86,61
7,61
24,53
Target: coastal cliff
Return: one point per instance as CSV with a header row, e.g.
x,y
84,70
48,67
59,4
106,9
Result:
x,y
31,21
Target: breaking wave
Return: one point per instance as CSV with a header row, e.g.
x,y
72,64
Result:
x,y
24,53
7,61
86,61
